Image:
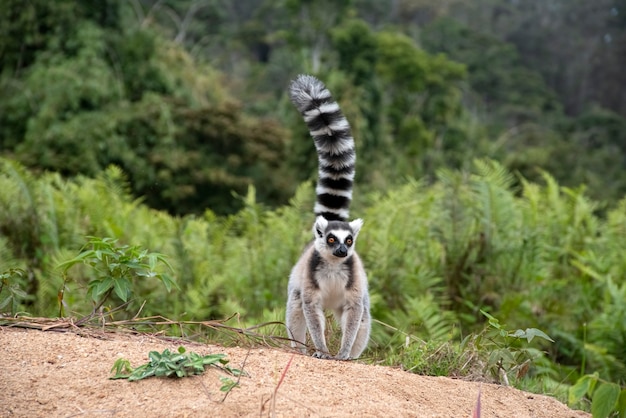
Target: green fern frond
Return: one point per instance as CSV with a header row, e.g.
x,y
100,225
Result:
x,y
494,201
114,179
494,173
7,258
427,319
21,178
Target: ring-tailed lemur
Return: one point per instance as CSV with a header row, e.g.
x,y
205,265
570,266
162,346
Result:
x,y
329,273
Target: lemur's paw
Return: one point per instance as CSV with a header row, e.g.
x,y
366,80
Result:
x,y
342,357
322,355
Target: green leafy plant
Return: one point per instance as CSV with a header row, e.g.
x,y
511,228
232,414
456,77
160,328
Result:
x,y
607,398
505,355
178,364
10,291
116,267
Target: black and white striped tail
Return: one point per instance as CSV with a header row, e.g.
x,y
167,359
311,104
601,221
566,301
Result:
x,y
335,146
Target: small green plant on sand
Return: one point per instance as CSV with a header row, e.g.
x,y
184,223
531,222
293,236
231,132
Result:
x,y
178,364
115,268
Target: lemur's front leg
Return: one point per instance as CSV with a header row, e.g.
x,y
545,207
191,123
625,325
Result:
x,y
350,322
316,321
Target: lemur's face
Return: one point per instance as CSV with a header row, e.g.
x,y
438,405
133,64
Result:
x,y
339,241
336,238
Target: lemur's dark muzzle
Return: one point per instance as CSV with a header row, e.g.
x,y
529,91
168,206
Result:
x,y
341,251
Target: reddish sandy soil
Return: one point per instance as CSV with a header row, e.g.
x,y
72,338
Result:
x,y
63,374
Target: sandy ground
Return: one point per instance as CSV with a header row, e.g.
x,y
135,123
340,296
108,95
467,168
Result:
x,y
62,374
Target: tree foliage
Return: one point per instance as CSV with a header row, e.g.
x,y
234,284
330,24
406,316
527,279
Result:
x,y
189,97
91,97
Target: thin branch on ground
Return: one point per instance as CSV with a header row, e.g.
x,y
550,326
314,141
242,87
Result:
x,y
157,326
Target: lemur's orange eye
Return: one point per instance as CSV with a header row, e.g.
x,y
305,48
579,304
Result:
x,y
349,241
331,240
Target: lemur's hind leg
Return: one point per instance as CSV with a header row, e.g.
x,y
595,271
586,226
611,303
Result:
x,y
362,336
295,321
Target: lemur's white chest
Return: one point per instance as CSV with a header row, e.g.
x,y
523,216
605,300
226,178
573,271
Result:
x,y
332,280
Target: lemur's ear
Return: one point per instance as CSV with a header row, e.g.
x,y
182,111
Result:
x,y
319,226
356,226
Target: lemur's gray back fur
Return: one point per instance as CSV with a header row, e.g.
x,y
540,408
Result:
x,y
334,143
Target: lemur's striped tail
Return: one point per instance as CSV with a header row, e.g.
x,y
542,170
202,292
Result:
x,y
335,146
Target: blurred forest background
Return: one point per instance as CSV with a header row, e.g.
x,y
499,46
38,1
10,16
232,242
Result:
x,y
491,142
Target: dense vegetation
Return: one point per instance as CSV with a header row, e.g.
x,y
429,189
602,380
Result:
x,y
491,173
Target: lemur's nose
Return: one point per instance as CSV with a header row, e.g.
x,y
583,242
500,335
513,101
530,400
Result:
x,y
341,251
